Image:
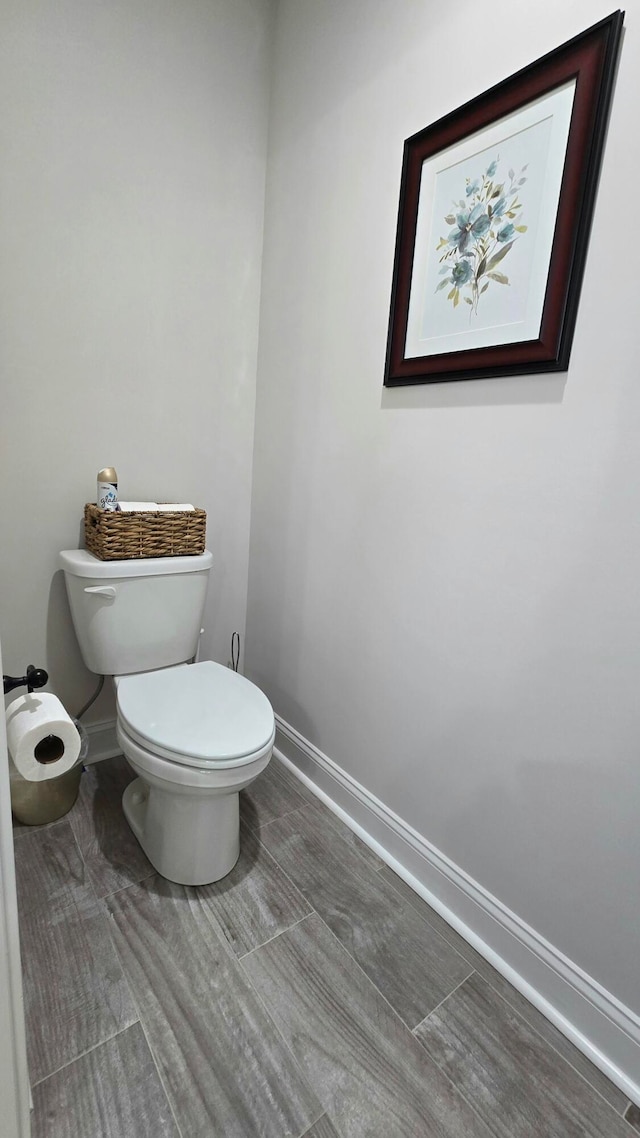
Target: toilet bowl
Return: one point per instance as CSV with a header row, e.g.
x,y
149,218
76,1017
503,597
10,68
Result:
x,y
195,736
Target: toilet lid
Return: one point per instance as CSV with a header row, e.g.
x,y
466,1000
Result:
x,y
200,712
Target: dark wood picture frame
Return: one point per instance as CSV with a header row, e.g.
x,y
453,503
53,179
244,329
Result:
x,y
590,59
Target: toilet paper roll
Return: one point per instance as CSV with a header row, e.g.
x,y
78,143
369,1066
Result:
x,y
42,739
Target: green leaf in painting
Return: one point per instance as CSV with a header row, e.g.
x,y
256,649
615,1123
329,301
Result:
x,y
497,257
450,295
483,289
450,219
499,277
467,301
522,228
456,298
443,284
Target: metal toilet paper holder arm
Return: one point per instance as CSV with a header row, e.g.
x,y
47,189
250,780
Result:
x,y
34,678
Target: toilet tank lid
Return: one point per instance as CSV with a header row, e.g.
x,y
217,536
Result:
x,y
81,563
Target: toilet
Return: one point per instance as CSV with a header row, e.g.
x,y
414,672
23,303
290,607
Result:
x,y
195,734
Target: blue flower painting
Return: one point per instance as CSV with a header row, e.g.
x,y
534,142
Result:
x,y
486,224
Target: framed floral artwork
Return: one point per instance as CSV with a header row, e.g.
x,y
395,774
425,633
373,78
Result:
x,y
496,203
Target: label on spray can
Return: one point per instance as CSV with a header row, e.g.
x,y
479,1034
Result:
x,y
107,497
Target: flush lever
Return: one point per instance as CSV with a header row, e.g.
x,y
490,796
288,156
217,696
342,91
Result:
x,y
101,590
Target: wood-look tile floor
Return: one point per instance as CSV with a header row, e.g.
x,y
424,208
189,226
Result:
x,y
310,994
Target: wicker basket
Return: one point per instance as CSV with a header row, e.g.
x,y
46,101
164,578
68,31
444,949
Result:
x,y
120,536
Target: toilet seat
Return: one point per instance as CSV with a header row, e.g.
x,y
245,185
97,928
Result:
x,y
184,777
203,715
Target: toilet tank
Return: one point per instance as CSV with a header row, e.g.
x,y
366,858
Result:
x,y
136,615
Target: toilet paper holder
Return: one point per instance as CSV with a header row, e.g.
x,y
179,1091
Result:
x,y
34,678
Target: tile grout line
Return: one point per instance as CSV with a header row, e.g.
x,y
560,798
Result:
x,y
377,864
27,831
216,921
288,878
627,1108
140,1021
307,1129
236,961
265,825
433,930
515,1010
451,993
276,1027
377,868
547,1043
130,885
450,946
160,1079
276,935
101,897
372,982
89,882
83,1054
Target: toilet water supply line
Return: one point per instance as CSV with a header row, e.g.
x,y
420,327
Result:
x,y
235,650
92,699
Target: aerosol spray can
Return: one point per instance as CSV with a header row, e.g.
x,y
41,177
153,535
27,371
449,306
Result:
x,y
107,498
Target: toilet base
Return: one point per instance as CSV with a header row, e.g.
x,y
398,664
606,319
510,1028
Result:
x,y
190,839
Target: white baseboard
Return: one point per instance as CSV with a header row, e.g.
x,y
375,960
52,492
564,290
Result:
x,y
103,743
606,1031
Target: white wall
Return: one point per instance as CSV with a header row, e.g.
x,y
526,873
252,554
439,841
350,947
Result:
x,y
443,579
133,143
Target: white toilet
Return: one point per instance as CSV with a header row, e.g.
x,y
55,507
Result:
x,y
195,734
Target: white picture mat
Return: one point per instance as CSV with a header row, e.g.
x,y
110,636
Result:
x,y
506,314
